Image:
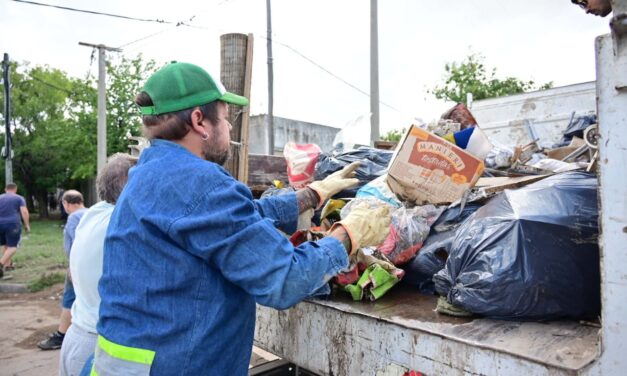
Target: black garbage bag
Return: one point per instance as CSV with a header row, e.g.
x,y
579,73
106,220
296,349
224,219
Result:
x,y
530,253
432,256
374,163
576,127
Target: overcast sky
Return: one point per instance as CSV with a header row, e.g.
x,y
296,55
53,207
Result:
x,y
542,40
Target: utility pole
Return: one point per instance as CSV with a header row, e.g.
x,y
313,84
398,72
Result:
x,y
7,153
270,117
102,102
374,73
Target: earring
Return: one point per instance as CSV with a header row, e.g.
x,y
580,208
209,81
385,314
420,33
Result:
x,y
204,136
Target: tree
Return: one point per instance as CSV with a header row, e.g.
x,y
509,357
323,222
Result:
x,y
51,130
471,76
125,80
394,135
54,121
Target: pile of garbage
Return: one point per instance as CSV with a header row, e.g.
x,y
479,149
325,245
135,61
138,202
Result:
x,y
494,230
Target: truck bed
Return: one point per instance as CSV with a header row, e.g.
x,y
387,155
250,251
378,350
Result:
x,y
403,332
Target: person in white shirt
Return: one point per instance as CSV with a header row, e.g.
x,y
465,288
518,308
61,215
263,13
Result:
x,y
86,265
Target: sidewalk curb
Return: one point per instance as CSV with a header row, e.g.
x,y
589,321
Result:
x,y
14,288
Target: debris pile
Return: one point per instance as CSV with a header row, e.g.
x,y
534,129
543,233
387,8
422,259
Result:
x,y
504,231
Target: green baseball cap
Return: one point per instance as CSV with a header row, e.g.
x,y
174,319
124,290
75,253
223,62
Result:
x,y
179,86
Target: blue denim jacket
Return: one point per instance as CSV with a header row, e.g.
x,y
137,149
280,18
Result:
x,y
187,254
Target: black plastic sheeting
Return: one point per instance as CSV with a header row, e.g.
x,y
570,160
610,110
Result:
x,y
432,256
529,254
374,163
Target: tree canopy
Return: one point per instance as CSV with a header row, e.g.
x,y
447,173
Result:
x,y
54,120
471,76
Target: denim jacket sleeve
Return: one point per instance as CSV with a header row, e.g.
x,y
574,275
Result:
x,y
225,228
283,210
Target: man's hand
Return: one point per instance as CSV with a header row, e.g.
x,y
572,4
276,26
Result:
x,y
336,182
365,226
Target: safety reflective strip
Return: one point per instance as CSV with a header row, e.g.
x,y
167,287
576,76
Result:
x,y
130,354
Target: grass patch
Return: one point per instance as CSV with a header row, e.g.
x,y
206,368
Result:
x,y
40,254
46,281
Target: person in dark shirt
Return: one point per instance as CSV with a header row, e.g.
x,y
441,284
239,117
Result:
x,y
12,207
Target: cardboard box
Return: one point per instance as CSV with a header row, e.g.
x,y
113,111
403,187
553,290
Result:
x,y
429,169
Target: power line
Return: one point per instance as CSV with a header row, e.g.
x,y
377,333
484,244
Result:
x,y
147,37
96,13
319,66
185,23
68,92
316,64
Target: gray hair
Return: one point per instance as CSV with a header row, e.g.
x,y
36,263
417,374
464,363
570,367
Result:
x,y
113,176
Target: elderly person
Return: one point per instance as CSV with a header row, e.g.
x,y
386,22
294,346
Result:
x,y
86,265
73,204
189,252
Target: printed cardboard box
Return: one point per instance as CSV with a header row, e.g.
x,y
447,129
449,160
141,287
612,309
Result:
x,y
429,169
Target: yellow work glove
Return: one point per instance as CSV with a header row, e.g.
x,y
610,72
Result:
x,y
336,182
366,226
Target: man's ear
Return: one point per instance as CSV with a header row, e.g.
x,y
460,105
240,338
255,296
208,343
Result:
x,y
196,119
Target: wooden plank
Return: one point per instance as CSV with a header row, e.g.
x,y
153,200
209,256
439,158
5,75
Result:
x,y
497,184
263,169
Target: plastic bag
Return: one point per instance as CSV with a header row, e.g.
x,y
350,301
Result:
x,y
408,230
301,161
380,189
374,163
558,166
500,156
530,253
434,252
370,275
352,134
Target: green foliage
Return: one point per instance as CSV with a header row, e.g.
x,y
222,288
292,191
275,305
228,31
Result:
x,y
394,135
40,252
49,140
54,120
45,281
471,76
125,79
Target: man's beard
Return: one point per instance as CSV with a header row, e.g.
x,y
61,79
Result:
x,y
214,154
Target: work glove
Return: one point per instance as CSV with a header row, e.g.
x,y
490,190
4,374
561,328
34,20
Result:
x,y
335,183
366,226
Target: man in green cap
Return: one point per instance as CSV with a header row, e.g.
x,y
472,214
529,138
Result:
x,y
189,253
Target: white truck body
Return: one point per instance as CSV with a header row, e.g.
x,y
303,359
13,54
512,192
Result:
x,y
401,332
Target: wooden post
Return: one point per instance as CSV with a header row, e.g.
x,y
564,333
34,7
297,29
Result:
x,y
235,74
243,158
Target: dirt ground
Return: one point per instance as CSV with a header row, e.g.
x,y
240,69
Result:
x,y
26,319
